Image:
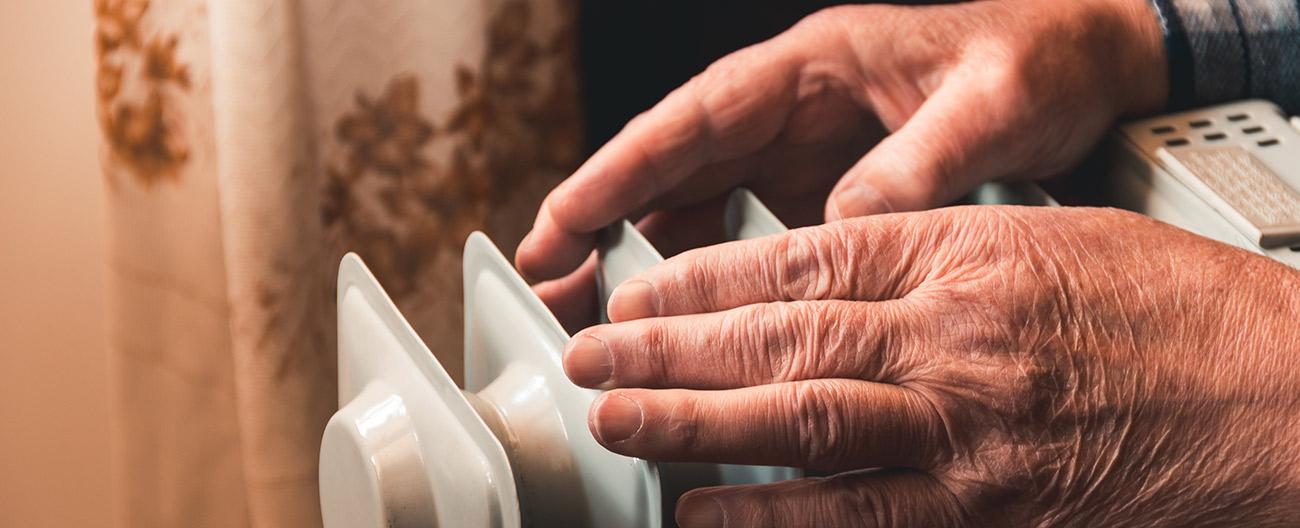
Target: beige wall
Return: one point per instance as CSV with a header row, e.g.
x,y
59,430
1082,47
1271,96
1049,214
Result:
x,y
53,373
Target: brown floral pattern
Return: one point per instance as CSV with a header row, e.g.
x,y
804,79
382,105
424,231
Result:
x,y
514,130
141,132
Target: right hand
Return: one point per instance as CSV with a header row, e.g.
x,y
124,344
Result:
x,y
1008,366
881,108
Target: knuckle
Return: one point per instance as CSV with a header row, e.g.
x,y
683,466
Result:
x,y
693,277
773,339
683,424
715,88
721,75
1007,74
795,266
812,338
862,503
807,265
886,350
820,425
656,342
761,339
742,99
745,339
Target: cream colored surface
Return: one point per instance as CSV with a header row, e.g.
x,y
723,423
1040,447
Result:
x,y
53,379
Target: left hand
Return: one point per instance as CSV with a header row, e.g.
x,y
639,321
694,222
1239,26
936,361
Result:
x,y
856,110
1008,366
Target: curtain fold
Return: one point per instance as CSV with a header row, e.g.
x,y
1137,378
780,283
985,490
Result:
x,y
247,146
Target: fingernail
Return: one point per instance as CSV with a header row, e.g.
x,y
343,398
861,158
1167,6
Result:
x,y
858,200
700,512
617,419
588,361
634,299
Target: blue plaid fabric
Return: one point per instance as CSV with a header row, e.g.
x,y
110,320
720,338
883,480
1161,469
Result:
x,y
1221,50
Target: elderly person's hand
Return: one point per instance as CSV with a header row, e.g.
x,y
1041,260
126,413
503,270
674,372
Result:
x,y
1009,366
968,92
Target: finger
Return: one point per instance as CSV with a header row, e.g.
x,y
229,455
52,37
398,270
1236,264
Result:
x,y
676,223
548,252
935,158
734,108
828,424
572,298
731,110
868,259
792,173
792,180
798,181
882,498
751,345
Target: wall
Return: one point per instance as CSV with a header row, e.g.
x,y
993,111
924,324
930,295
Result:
x,y
53,371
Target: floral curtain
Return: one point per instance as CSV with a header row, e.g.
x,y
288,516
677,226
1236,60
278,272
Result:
x,y
247,146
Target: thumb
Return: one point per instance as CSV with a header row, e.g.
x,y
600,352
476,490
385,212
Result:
x,y
929,162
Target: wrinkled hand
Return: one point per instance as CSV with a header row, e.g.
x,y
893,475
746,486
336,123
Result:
x,y
1008,366
968,93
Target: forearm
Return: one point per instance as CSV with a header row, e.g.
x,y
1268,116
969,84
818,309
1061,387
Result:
x,y
1222,50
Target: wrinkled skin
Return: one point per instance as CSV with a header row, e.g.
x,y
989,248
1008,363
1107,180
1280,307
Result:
x,y
1005,366
1011,366
967,93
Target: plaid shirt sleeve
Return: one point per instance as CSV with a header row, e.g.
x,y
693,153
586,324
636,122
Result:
x,y
1223,50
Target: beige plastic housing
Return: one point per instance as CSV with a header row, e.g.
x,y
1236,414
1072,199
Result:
x,y
1229,172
